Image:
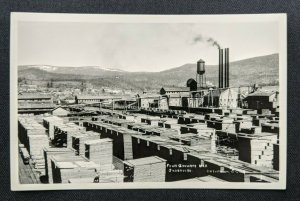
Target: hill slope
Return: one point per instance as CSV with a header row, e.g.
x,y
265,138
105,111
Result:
x,y
261,70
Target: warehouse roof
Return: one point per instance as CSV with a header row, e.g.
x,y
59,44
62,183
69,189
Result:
x,y
35,106
33,96
86,97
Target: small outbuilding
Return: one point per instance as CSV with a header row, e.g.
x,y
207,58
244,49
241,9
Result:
x,y
59,111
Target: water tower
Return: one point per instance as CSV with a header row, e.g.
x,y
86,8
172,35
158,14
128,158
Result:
x,y
200,77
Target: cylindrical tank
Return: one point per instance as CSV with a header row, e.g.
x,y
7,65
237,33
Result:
x,y
201,67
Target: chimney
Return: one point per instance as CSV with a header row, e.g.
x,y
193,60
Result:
x,y
224,68
221,68
227,66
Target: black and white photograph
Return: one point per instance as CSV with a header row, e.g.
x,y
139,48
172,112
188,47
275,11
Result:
x,y
114,101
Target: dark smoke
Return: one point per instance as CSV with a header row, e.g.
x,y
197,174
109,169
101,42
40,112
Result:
x,y
198,39
211,41
214,43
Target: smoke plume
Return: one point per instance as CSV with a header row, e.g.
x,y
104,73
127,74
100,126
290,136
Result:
x,y
210,41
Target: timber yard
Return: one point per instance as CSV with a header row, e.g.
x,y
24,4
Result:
x,y
195,133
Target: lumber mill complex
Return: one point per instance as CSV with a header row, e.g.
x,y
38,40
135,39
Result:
x,y
197,133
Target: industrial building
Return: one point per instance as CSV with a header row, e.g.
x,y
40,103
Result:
x,y
34,103
263,101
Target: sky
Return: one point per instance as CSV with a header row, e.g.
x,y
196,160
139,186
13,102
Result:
x,y
141,46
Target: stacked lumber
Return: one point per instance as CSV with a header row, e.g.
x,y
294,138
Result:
x,y
36,144
209,116
265,111
243,124
116,176
65,167
228,152
100,151
33,135
257,149
38,162
219,125
28,126
113,176
250,111
49,123
118,163
61,133
259,121
48,153
270,126
237,111
199,128
148,169
86,136
168,132
227,120
183,120
127,141
251,130
70,138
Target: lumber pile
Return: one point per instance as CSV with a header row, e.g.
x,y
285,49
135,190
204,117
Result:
x,y
33,135
48,153
36,143
100,151
28,126
68,169
78,141
49,123
148,169
220,125
257,149
61,133
113,176
67,166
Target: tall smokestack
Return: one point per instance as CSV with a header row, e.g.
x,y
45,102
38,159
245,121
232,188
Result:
x,y
225,68
226,74
220,68
227,65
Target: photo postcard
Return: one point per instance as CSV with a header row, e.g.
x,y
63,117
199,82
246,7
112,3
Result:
x,y
148,101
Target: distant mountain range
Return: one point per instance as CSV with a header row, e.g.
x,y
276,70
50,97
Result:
x,y
261,70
